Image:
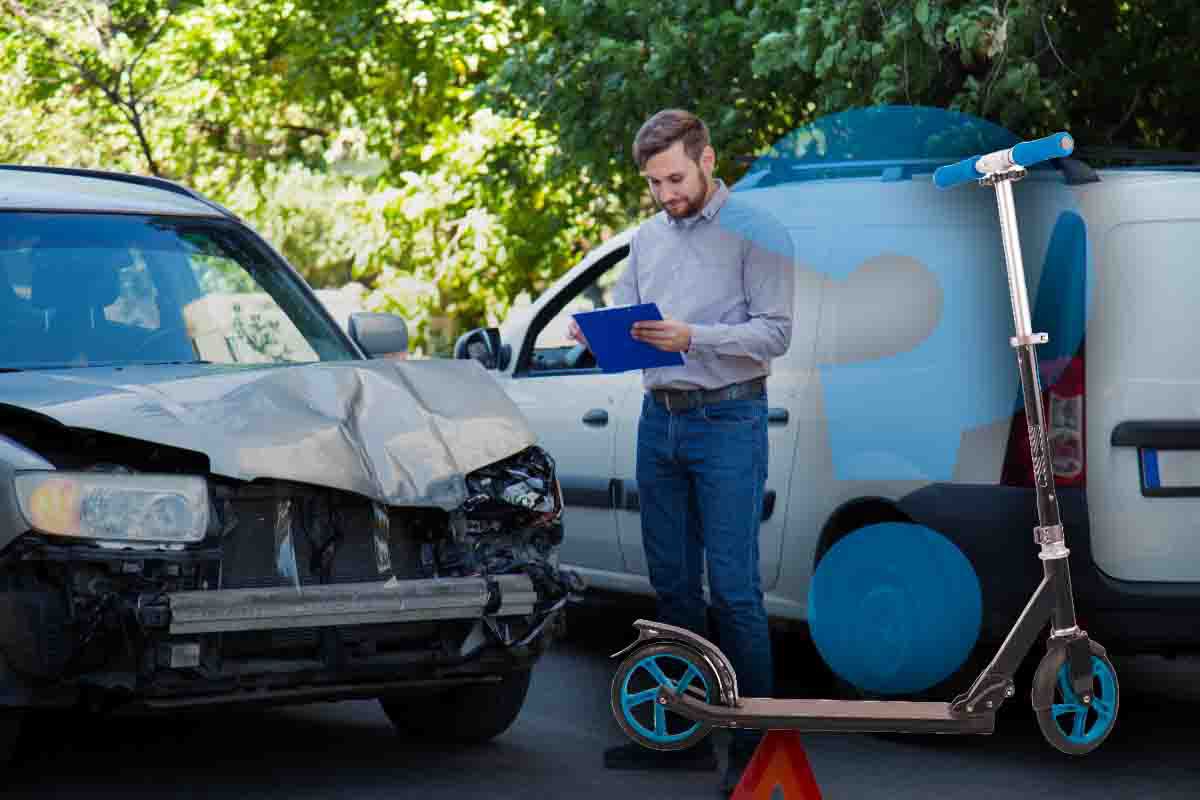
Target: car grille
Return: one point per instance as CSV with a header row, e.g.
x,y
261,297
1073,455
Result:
x,y
251,557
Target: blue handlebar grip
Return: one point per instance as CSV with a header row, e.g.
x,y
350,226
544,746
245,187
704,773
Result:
x,y
954,174
1056,145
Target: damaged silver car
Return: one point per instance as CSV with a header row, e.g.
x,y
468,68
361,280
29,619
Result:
x,y
209,495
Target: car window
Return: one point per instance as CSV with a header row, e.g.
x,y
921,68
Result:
x,y
552,347
98,289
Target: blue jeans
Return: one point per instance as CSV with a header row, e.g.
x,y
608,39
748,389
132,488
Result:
x,y
700,476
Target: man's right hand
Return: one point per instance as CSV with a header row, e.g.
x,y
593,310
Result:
x,y
576,334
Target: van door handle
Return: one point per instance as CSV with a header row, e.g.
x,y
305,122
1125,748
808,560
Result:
x,y
1168,434
597,417
777,416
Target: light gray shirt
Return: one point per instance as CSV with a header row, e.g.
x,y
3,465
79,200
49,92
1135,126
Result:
x,y
728,271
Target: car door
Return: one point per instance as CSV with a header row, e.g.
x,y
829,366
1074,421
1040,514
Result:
x,y
570,403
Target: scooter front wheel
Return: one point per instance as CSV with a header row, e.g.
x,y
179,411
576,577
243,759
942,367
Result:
x,y
635,695
1066,722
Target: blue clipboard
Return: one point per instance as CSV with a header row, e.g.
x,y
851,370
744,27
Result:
x,y
607,331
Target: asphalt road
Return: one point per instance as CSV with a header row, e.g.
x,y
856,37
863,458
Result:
x,y
349,751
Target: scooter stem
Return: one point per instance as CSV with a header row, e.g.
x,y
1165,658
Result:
x,y
1049,533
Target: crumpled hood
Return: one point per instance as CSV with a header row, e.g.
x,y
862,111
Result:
x,y
402,433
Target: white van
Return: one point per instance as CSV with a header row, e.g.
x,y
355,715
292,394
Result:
x,y
898,399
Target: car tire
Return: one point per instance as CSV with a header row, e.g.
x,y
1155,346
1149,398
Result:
x,y
10,731
465,715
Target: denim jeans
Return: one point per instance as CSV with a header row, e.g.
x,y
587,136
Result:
x,y
700,476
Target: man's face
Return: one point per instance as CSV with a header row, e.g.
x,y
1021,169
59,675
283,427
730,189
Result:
x,y
679,184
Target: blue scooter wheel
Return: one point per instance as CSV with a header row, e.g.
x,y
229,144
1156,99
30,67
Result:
x,y
635,690
894,608
1067,723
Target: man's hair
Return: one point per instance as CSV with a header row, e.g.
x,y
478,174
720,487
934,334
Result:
x,y
665,129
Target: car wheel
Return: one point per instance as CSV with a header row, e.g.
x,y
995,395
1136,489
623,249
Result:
x,y
466,715
10,730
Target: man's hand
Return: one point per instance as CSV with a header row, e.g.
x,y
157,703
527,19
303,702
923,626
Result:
x,y
576,334
670,335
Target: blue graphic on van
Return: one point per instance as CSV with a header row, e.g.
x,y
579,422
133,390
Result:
x,y
914,320
895,608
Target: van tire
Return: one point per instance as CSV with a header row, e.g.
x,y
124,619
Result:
x,y
465,715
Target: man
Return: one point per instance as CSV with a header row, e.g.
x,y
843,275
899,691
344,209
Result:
x,y
726,299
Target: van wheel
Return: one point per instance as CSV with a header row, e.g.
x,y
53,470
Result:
x,y
465,715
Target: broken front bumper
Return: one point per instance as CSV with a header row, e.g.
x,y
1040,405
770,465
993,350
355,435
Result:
x,y
349,604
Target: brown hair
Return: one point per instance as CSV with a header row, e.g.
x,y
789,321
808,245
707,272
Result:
x,y
665,129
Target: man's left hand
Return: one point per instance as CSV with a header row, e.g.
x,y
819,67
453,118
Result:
x,y
670,335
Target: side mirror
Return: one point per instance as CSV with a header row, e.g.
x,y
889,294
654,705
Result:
x,y
483,345
379,334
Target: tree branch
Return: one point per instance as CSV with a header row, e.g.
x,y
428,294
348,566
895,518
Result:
x,y
152,39
129,109
1053,49
1137,98
135,119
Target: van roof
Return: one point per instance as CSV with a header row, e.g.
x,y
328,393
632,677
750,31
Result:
x,y
1157,174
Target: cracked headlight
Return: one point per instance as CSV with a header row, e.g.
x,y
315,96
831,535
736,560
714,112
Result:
x,y
134,508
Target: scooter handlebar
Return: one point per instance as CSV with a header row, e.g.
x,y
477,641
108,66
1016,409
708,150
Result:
x,y
1056,145
1024,154
954,174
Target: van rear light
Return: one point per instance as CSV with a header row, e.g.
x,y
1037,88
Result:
x,y
1063,407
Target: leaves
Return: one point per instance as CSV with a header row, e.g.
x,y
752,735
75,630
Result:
x,y
349,134
453,157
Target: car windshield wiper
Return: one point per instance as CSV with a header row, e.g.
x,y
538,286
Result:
x,y
95,365
161,363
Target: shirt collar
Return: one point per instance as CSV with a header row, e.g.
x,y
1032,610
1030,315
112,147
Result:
x,y
708,212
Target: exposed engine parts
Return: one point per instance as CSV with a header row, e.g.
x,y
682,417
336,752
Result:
x,y
103,615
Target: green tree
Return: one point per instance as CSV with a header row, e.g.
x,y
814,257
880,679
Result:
x,y
350,133
1121,71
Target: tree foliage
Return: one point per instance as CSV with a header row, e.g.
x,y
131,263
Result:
x,y
452,155
1112,71
349,133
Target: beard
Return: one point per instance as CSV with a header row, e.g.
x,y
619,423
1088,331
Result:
x,y
692,205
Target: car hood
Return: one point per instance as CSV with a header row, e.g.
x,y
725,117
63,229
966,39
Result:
x,y
402,433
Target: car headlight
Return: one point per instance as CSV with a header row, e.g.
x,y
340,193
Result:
x,y
135,508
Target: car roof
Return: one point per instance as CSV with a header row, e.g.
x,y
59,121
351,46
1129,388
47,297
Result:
x,y
27,188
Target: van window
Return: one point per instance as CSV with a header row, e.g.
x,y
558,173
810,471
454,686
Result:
x,y
552,349
597,294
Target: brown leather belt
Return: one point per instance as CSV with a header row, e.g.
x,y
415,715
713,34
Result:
x,y
686,399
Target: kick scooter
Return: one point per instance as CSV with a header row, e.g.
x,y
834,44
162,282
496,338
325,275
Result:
x,y
673,687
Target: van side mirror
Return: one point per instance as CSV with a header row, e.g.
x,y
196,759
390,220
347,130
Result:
x,y
483,345
378,335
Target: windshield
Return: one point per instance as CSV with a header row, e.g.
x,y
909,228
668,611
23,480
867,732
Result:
x,y
113,289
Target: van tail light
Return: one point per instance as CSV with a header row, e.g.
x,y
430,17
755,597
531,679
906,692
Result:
x,y
1063,407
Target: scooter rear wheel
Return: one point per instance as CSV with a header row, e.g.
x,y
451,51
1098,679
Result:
x,y
635,691
1068,724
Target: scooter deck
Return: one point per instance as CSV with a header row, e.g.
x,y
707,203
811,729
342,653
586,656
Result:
x,y
832,716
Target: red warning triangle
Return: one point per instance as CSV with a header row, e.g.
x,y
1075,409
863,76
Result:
x,y
778,761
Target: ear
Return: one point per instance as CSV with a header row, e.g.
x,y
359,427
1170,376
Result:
x,y
708,159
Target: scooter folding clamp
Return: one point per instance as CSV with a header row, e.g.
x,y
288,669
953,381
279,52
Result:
x,y
1033,338
1048,535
